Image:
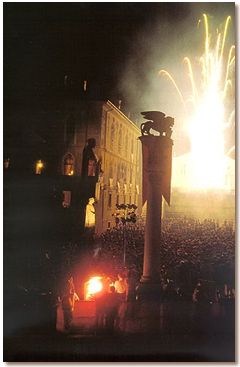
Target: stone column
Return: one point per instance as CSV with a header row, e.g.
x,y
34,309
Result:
x,y
157,152
152,237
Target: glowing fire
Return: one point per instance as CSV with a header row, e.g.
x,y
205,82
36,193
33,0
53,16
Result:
x,y
205,108
93,286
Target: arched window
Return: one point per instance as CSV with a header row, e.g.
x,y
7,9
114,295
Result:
x,y
68,165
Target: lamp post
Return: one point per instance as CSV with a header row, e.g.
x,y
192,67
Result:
x,y
125,213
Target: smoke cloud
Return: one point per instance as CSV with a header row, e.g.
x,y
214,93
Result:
x,y
162,44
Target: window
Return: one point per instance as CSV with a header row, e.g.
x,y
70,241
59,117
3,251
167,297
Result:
x,y
97,191
120,140
111,183
118,187
109,200
137,189
66,199
135,198
6,163
112,136
124,173
132,146
111,171
68,163
103,130
91,168
126,144
39,167
119,172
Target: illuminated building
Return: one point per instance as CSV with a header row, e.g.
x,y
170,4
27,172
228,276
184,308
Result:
x,y
118,149
53,167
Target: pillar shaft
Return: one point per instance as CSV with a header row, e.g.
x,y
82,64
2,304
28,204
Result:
x,y
157,151
152,238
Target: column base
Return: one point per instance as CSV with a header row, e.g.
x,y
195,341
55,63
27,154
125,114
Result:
x,y
149,290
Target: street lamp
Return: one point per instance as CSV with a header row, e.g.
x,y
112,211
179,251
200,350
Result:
x,y
125,213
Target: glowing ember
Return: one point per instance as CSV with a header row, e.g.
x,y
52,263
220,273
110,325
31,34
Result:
x,y
207,109
93,286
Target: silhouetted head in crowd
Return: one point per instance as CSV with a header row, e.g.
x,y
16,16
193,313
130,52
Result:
x,y
91,143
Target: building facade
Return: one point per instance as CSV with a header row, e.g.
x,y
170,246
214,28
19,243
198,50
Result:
x,y
117,149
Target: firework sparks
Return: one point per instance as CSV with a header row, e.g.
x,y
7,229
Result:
x,y
208,113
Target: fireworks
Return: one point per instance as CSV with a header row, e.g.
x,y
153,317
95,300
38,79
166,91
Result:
x,y
207,109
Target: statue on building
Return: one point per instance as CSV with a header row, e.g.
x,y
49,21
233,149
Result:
x,y
91,168
89,159
158,122
90,214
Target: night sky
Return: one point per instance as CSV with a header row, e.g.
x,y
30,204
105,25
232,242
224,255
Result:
x,y
117,47
45,41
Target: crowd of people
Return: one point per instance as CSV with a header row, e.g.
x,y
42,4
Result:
x,y
190,251
196,265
